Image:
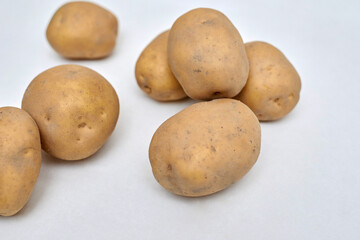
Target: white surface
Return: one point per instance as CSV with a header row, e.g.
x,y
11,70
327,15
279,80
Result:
x,y
305,184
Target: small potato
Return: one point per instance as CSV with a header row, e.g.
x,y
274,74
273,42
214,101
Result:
x,y
82,30
207,55
273,87
153,73
75,108
205,148
20,159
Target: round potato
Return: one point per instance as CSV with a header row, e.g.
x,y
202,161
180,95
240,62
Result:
x,y
273,87
205,148
207,55
82,30
20,159
75,108
153,73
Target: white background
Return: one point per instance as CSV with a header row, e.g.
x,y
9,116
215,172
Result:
x,y
305,184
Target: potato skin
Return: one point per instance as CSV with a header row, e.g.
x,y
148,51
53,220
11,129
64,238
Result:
x,y
75,108
207,55
82,30
205,148
20,159
273,87
153,73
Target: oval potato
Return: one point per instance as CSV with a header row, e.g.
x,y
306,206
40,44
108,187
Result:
x,y
153,73
20,159
207,55
82,30
205,148
273,87
75,108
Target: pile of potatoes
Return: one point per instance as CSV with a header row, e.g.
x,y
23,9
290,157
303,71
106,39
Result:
x,y
210,145
69,111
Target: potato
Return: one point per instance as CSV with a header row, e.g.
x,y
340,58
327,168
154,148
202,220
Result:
x,y
75,108
82,30
207,55
205,148
273,86
20,159
153,73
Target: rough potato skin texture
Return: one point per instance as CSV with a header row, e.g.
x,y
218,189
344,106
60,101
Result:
x,y
273,87
205,148
153,73
82,30
207,55
20,159
75,108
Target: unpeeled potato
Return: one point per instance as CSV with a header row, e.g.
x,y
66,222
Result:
x,y
273,87
75,108
153,73
20,159
207,55
205,148
82,30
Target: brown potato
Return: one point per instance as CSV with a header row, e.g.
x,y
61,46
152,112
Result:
x,y
82,30
20,159
75,108
153,73
207,55
205,148
273,86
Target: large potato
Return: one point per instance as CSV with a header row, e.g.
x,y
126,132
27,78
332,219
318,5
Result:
x,y
207,55
153,73
205,148
20,159
75,108
82,30
273,86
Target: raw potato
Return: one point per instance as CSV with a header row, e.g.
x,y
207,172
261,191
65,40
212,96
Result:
x,y
207,55
205,148
20,159
153,73
273,86
75,108
82,30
